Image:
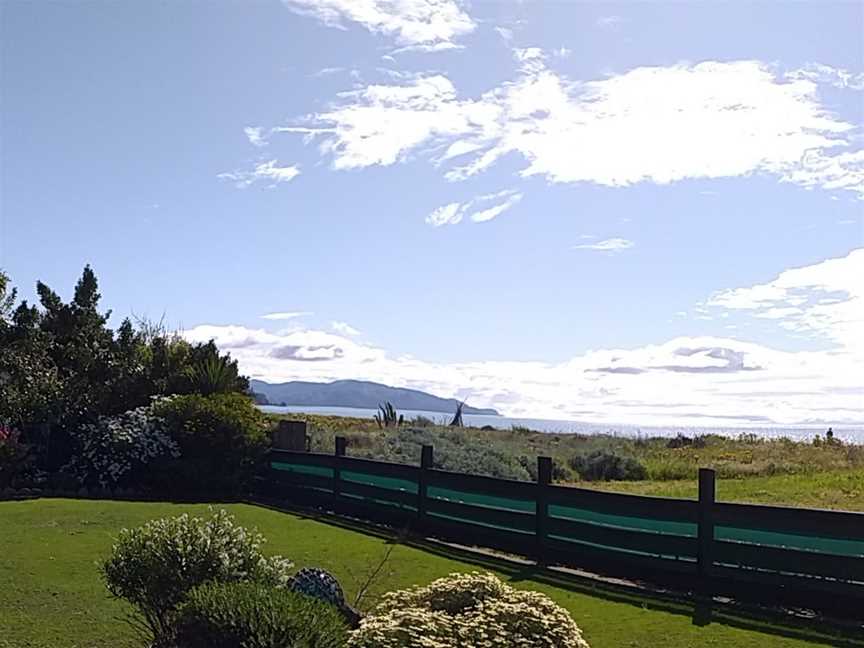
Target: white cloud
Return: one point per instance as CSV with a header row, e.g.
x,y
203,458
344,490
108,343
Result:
x,y
449,214
607,245
824,300
327,71
837,77
344,328
609,22
496,210
649,124
285,315
255,136
452,213
505,32
523,54
262,171
428,48
685,381
429,23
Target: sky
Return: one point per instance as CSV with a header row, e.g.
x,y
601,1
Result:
x,y
639,213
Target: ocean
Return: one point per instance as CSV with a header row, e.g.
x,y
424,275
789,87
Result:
x,y
853,434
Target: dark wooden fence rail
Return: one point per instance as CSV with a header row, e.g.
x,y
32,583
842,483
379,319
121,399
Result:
x,y
790,554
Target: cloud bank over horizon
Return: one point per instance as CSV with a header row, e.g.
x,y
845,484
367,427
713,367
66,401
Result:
x,y
687,380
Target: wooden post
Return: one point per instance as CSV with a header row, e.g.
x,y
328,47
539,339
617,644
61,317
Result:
x,y
423,481
544,478
704,554
290,435
341,443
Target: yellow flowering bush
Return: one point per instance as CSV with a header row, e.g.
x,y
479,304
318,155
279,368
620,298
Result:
x,y
467,611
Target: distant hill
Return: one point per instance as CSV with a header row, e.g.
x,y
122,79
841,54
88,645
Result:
x,y
356,393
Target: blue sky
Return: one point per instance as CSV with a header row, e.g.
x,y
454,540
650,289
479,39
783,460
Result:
x,y
613,212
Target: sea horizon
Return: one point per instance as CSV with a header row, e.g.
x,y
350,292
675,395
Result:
x,y
850,433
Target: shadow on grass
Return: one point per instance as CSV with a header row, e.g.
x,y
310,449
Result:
x,y
793,624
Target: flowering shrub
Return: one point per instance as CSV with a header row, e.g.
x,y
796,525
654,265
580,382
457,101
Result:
x,y
154,566
468,610
15,458
114,449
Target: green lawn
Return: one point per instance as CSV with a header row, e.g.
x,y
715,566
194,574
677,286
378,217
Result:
x,y
51,594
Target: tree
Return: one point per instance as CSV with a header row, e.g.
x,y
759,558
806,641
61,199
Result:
x,y
62,365
7,299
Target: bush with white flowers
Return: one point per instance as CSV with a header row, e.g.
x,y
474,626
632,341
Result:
x,y
471,611
115,447
156,565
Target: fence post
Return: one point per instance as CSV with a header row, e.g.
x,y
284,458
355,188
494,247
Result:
x,y
704,554
341,443
541,515
423,481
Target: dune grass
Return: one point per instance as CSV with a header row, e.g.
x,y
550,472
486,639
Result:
x,y
749,469
840,489
51,595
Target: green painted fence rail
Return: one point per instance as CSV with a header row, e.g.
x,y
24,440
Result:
x,y
708,546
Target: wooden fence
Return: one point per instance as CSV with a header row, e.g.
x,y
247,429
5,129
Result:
x,y
800,556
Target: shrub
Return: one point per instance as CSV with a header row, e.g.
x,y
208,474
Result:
x,y
607,466
154,566
455,450
252,615
116,450
470,610
221,438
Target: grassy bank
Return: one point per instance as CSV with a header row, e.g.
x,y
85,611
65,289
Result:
x,y
750,469
51,595
840,489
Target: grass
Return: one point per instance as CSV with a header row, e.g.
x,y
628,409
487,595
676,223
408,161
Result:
x,y
749,469
51,595
839,489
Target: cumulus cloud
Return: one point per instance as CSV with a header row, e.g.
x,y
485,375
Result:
x,y
433,24
687,381
824,300
649,124
608,245
695,380
262,171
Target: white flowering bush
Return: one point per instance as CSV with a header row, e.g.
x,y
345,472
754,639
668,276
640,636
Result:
x,y
114,448
467,610
156,565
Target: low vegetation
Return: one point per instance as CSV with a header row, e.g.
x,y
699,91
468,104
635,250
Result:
x,y
821,472
255,615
